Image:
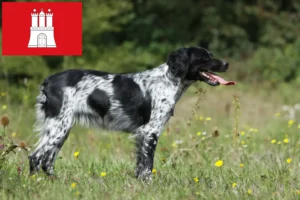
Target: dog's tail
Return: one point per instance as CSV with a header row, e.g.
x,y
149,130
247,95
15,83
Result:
x,y
41,101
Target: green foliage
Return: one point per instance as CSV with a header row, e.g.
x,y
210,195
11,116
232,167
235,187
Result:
x,y
134,35
25,66
276,65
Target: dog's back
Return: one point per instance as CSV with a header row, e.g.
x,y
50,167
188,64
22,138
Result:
x,y
92,98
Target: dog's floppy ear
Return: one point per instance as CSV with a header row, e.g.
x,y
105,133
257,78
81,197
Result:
x,y
178,63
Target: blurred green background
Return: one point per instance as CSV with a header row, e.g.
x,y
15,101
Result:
x,y
260,39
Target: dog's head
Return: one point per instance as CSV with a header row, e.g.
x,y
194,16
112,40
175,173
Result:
x,y
196,63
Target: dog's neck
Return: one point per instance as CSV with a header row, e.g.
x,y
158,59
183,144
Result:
x,y
185,84
181,84
163,74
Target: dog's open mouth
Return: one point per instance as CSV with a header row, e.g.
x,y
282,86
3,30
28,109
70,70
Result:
x,y
214,80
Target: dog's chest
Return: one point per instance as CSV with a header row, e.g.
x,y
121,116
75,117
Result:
x,y
163,102
164,94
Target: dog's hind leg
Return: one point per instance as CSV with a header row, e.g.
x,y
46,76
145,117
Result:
x,y
54,132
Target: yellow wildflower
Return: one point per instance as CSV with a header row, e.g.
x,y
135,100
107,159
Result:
x,y
255,130
243,133
174,144
249,191
201,118
273,141
203,138
4,107
233,185
196,180
289,160
290,122
279,142
286,140
219,163
243,142
277,114
298,191
208,119
32,176
299,126
241,165
154,171
77,193
76,154
14,134
73,185
199,133
103,174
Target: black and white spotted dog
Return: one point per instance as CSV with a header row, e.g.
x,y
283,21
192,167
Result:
x,y
139,103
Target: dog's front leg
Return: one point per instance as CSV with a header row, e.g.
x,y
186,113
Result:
x,y
146,145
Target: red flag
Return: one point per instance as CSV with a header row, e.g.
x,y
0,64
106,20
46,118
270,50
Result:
x,y
42,28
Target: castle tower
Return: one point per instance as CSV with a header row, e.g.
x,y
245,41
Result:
x,y
50,34
42,19
49,18
34,19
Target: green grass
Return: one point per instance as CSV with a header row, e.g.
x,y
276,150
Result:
x,y
184,169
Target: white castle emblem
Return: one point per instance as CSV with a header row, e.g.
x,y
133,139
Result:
x,y
41,34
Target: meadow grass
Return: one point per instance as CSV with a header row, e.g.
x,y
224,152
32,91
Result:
x,y
229,143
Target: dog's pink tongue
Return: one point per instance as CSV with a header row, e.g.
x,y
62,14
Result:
x,y
221,80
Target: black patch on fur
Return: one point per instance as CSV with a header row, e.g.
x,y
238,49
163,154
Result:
x,y
172,112
99,101
53,85
54,98
135,105
97,73
145,108
73,76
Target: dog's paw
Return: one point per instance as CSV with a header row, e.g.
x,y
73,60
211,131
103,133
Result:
x,y
144,175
